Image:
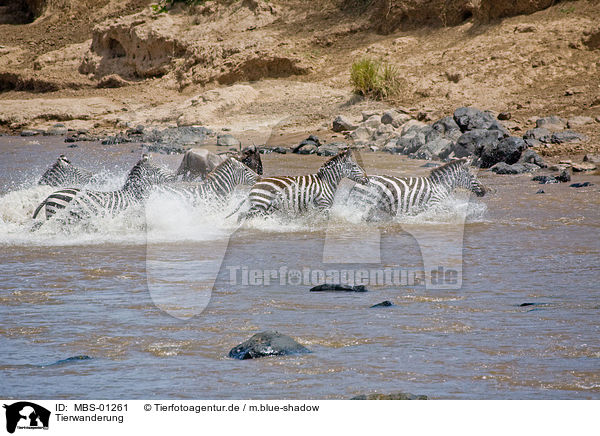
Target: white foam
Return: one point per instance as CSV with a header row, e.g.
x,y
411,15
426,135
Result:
x,y
168,218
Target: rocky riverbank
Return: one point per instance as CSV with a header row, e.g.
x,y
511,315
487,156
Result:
x,y
242,68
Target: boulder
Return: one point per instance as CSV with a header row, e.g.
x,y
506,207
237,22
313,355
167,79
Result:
x,y
530,156
362,134
544,180
30,132
584,166
338,288
331,149
394,396
372,122
447,127
413,139
341,123
268,343
392,147
308,145
579,121
435,148
395,118
412,124
567,136
507,150
227,140
368,114
539,133
553,122
56,130
517,168
473,142
593,158
564,176
504,116
469,118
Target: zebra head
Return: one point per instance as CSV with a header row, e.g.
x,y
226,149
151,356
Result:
x,y
457,174
234,172
344,165
56,174
144,175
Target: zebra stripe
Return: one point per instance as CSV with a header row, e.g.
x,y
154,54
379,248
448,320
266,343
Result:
x,y
298,194
82,203
409,195
218,184
63,173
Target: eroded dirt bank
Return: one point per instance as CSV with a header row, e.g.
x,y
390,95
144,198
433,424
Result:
x,y
281,67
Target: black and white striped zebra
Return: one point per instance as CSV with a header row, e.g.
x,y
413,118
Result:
x,y
218,185
81,203
392,196
63,173
298,194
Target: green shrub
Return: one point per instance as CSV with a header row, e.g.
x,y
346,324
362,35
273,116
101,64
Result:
x,y
375,79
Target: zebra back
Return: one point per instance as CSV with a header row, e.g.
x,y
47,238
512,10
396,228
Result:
x,y
408,195
63,173
297,194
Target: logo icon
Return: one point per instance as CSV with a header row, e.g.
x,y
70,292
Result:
x,y
26,415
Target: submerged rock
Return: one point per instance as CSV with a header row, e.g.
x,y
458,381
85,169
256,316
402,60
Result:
x,y
394,396
338,288
385,303
581,185
267,343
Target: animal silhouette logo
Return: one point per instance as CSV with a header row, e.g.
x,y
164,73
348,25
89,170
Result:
x,y
26,415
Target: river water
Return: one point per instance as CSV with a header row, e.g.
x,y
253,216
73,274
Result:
x,y
141,296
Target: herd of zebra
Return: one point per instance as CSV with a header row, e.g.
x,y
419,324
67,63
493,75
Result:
x,y
380,195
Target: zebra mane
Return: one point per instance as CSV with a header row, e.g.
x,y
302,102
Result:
x,y
342,156
453,164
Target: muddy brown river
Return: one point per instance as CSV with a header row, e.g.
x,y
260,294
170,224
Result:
x,y
158,296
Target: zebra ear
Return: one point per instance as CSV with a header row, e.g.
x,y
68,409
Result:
x,y
145,157
469,161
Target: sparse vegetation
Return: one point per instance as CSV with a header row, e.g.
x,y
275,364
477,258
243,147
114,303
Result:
x,y
165,5
375,79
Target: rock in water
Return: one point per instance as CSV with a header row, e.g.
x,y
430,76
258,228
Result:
x,y
385,303
338,288
394,396
268,343
564,176
581,185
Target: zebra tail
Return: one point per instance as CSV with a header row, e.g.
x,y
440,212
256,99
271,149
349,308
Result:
x,y
237,208
42,204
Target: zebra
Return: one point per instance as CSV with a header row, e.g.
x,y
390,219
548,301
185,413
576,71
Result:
x,y
84,203
392,196
298,194
218,185
63,173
